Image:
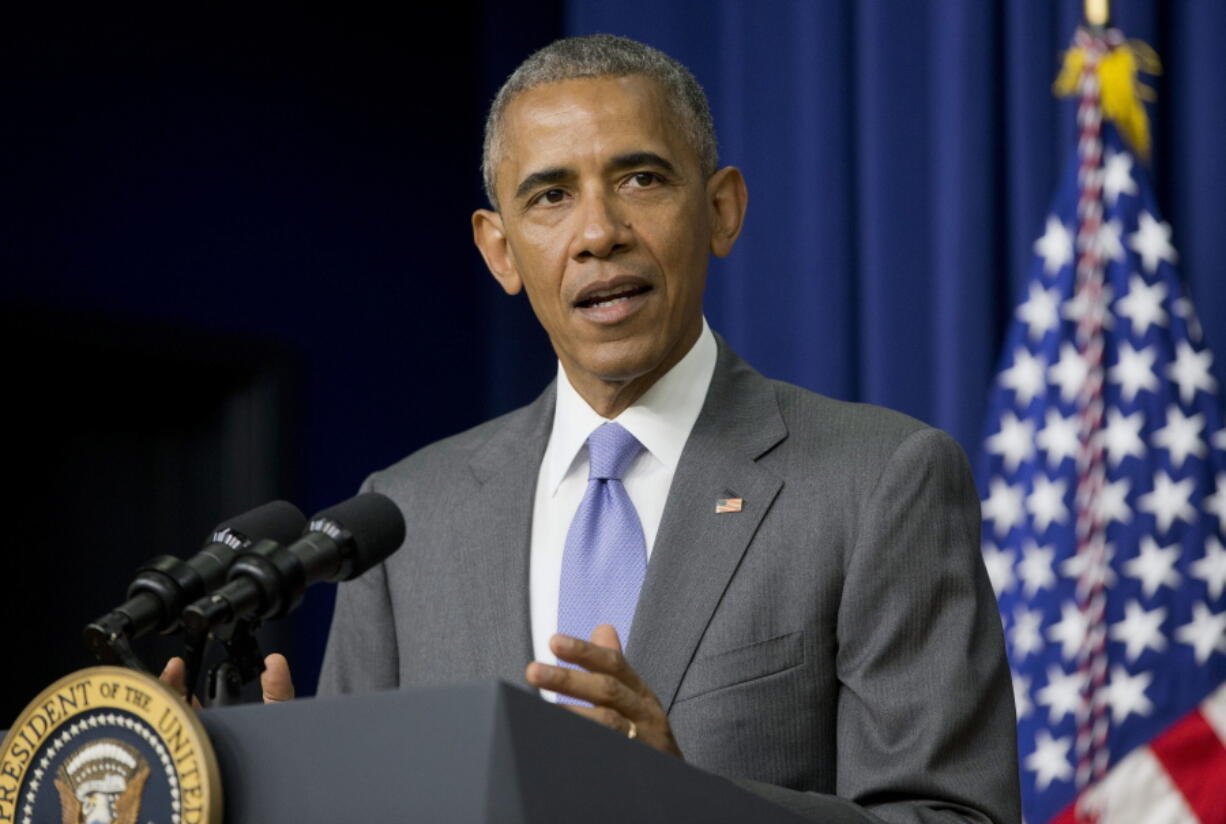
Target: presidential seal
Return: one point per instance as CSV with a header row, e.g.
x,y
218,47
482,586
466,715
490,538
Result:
x,y
108,745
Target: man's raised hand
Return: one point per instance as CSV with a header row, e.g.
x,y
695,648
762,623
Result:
x,y
620,699
275,681
174,675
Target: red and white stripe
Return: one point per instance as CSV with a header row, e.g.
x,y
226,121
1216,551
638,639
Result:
x,y
1175,779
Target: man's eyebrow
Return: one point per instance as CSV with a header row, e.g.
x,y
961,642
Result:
x,y
560,174
542,178
639,159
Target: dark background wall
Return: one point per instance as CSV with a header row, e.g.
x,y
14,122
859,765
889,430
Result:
x,y
235,259
236,266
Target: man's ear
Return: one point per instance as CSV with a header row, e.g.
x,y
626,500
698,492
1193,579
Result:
x,y
728,198
491,240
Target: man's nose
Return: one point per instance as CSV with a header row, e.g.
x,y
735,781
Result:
x,y
603,230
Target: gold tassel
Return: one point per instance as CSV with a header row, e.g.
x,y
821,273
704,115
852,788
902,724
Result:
x,y
1070,74
1120,88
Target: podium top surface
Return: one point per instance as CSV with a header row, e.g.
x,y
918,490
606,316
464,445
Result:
x,y
479,752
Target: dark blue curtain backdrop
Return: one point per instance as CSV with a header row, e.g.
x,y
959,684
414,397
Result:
x,y
900,158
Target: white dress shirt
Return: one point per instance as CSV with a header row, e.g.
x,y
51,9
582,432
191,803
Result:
x,y
661,420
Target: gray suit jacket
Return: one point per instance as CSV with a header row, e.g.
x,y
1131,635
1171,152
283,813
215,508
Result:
x,y
836,637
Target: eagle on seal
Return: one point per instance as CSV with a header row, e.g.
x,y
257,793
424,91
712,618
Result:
x,y
102,783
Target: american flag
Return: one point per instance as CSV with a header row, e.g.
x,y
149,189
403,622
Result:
x,y
1103,481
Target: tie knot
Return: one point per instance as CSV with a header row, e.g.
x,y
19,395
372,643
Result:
x,y
610,449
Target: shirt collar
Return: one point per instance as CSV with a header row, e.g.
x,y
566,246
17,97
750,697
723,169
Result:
x,y
661,420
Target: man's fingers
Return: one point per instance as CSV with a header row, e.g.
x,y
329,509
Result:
x,y
596,657
606,636
620,699
275,680
597,688
606,717
174,676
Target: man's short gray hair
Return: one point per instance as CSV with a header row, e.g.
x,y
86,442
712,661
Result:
x,y
603,55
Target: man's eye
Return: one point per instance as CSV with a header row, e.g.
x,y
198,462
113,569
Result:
x,y
551,196
644,179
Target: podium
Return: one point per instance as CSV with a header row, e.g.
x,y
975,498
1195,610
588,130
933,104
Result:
x,y
476,753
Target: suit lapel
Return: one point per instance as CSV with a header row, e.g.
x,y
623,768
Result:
x,y
496,522
697,550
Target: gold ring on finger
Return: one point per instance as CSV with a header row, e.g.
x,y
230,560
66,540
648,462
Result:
x,y
633,732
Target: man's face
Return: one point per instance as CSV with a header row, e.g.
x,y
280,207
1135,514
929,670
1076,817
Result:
x,y
606,220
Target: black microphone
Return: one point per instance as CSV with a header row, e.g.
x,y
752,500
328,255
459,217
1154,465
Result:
x,y
165,585
267,580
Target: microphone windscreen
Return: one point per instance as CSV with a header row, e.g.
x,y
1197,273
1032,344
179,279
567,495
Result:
x,y
374,522
278,521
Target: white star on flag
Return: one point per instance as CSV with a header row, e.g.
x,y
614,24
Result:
x,y
1215,502
1069,373
1055,246
1003,505
1040,312
1070,630
1080,566
1126,694
1014,442
1121,437
1154,567
1152,241
1117,176
1000,568
1062,695
1113,502
1181,435
1205,633
1049,761
1081,307
1183,308
1025,635
1169,500
1035,568
1190,370
1059,437
1106,241
1139,630
1046,502
1211,568
1026,377
1134,371
1143,304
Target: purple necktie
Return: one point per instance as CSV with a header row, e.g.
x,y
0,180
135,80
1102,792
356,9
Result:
x,y
605,557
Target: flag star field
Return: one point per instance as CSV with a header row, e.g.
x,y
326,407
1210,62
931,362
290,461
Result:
x,y
1163,498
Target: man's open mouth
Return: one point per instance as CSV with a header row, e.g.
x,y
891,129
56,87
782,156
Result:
x,y
609,297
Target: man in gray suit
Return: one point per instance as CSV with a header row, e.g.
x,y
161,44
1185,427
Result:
x,y
814,620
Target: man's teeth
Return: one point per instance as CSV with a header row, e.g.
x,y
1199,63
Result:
x,y
600,301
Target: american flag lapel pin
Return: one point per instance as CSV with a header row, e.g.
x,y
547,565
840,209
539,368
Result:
x,y
728,505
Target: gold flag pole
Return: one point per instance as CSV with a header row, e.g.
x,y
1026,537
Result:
x,y
1097,13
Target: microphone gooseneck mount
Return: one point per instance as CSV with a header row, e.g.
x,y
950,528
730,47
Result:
x,y
267,580
164,585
